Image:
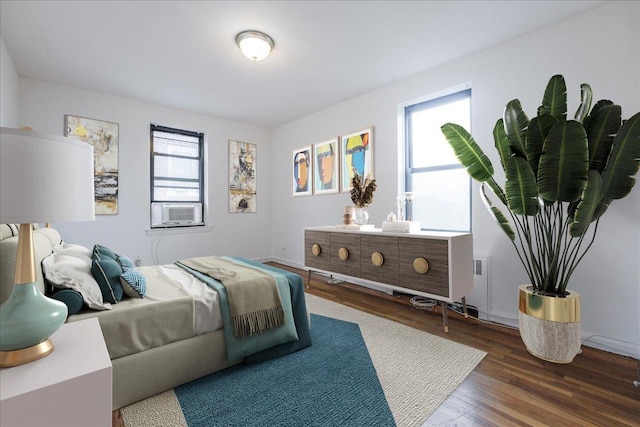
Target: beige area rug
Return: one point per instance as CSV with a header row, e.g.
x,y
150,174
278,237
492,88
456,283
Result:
x,y
417,370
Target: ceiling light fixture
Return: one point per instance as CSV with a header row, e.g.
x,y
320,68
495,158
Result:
x,y
254,45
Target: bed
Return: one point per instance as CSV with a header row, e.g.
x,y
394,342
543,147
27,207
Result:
x,y
179,330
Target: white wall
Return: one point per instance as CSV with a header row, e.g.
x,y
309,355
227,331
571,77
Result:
x,y
8,89
43,106
600,47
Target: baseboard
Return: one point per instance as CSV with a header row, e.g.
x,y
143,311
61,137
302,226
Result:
x,y
265,259
611,345
286,262
503,319
365,283
599,342
360,282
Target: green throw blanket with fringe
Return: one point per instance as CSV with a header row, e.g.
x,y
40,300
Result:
x,y
254,301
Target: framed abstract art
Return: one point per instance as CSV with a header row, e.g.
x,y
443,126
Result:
x,y
243,158
103,136
356,156
326,167
302,171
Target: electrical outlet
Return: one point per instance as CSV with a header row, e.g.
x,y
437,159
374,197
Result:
x,y
138,261
480,295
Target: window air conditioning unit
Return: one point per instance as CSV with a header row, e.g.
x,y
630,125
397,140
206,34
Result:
x,y
178,214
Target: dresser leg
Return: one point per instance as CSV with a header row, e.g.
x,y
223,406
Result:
x,y
309,279
445,320
464,307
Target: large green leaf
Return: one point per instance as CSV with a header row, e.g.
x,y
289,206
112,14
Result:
x,y
586,96
624,160
536,134
515,124
501,142
564,163
601,127
587,206
497,190
602,207
468,152
497,214
599,105
522,194
554,101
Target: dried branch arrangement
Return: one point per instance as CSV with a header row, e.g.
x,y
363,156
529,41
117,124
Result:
x,y
362,190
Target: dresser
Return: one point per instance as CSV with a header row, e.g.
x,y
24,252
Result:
x,y
437,265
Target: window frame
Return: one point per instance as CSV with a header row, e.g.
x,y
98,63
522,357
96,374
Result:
x,y
201,178
432,101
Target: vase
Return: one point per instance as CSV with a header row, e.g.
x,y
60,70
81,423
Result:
x,y
360,216
550,325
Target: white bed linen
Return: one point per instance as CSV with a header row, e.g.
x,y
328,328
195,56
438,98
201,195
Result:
x,y
208,316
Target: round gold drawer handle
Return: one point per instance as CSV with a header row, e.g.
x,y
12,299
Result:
x,y
377,259
420,265
343,254
315,249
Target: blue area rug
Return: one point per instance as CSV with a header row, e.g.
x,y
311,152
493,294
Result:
x,y
331,383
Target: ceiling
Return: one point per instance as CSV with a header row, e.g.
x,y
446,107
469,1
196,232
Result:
x,y
182,54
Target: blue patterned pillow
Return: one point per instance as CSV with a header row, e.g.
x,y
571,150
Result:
x,y
134,283
124,262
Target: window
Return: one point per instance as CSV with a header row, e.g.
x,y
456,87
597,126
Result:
x,y
441,185
177,177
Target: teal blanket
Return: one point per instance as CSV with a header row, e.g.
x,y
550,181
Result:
x,y
292,336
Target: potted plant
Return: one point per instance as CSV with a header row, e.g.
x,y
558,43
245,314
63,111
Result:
x,y
561,177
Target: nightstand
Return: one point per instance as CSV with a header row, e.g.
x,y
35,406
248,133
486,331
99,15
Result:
x,y
70,387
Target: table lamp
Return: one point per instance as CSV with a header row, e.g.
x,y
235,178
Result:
x,y
43,178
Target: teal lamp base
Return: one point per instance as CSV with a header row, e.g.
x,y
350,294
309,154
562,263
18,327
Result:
x,y
27,320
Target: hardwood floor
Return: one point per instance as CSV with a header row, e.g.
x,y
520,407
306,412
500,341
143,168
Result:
x,y
509,387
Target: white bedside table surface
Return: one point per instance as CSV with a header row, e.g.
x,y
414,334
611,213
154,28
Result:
x,y
79,350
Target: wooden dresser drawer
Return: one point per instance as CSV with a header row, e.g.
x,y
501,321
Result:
x,y
435,264
344,245
321,258
435,252
379,258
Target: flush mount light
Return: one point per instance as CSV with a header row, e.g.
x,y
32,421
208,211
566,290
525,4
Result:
x,y
254,44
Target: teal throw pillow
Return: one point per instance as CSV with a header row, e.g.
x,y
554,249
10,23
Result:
x,y
107,273
72,299
134,283
103,251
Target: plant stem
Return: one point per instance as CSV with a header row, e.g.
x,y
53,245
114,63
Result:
x,y
521,252
574,262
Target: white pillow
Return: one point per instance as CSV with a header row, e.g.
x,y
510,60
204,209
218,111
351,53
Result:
x,y
65,271
77,251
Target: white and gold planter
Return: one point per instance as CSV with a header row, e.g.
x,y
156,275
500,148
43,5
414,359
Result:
x,y
550,325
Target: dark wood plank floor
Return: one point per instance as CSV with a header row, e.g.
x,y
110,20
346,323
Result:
x,y
509,387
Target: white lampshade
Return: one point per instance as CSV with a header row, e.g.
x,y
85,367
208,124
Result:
x,y
254,44
45,178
